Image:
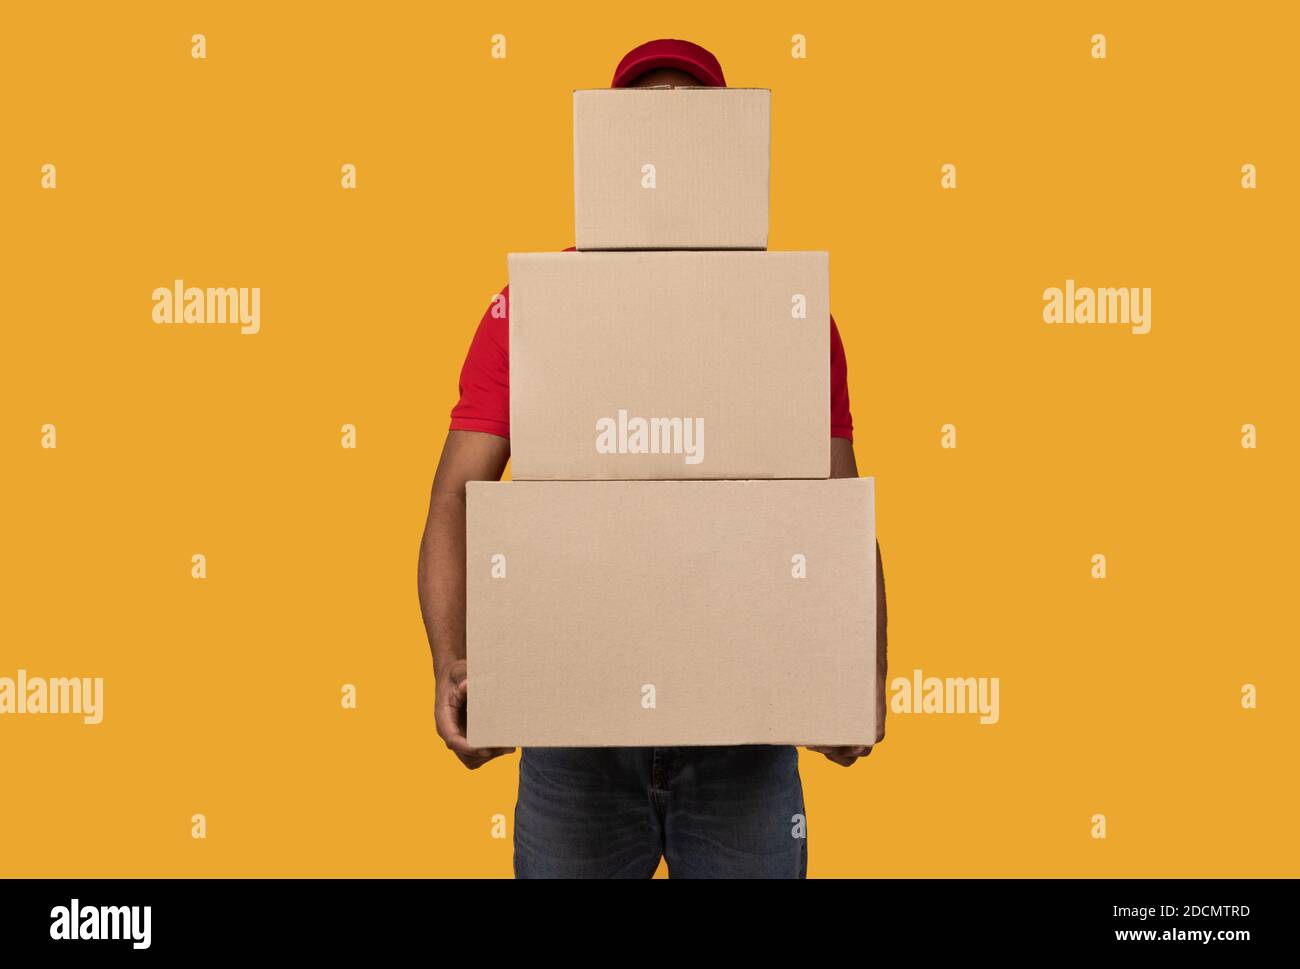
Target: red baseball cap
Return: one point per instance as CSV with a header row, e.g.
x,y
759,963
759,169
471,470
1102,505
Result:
x,y
679,54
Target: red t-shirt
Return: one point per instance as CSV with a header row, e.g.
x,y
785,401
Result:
x,y
484,403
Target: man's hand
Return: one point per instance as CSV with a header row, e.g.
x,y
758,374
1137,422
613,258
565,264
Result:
x,y
467,456
449,712
844,756
848,756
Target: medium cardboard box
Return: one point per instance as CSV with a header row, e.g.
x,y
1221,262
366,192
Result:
x,y
664,168
669,365
671,613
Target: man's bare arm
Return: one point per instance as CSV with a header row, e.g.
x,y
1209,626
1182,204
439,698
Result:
x,y
466,456
844,465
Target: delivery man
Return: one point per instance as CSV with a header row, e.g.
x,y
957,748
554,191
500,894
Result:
x,y
615,811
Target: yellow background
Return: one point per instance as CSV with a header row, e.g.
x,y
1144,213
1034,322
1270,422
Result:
x,y
222,696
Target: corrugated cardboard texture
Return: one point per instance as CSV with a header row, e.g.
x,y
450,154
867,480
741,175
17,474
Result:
x,y
710,148
708,339
604,588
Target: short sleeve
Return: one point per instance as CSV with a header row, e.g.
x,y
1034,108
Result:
x,y
841,416
484,403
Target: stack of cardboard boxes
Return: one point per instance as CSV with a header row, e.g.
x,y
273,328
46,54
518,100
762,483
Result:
x,y
671,564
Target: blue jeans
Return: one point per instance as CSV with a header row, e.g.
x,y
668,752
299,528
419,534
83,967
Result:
x,y
613,812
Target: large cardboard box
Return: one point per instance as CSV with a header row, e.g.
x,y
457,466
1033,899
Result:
x,y
669,365
663,168
658,613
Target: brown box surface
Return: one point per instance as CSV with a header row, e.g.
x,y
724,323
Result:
x,y
710,149
629,365
583,594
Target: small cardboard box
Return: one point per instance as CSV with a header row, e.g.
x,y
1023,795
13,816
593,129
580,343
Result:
x,y
676,365
671,613
671,168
